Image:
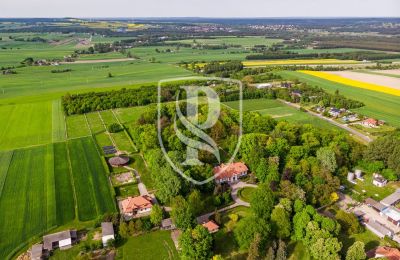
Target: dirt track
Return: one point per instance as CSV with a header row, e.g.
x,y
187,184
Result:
x,y
98,61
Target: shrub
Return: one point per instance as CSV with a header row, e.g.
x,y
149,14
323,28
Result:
x,y
114,128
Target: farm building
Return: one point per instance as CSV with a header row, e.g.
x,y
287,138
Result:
x,y
37,252
384,252
334,112
230,173
392,199
392,214
378,180
167,224
379,229
211,226
62,240
107,232
132,206
118,161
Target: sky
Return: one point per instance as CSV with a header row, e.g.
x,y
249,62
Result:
x,y
200,8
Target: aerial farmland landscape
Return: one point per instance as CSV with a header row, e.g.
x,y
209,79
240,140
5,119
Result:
x,y
173,130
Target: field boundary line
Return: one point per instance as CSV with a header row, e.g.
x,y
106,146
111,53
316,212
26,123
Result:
x,y
125,132
8,168
73,181
88,125
108,133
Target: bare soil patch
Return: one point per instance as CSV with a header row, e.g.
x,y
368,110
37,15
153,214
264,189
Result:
x,y
392,72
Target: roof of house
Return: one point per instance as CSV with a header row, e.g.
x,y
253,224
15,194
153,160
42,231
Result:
x,y
166,222
392,198
107,229
371,121
36,251
359,213
136,203
392,213
378,227
49,239
211,226
370,201
388,252
379,178
226,171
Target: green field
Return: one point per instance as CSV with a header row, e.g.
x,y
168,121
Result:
x,y
28,124
280,111
34,202
377,105
155,245
248,41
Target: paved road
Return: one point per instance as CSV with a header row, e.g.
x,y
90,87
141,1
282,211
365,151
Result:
x,y
364,137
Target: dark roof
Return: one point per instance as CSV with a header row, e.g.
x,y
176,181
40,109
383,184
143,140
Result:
x,y
107,229
119,160
359,213
392,198
370,201
50,239
166,222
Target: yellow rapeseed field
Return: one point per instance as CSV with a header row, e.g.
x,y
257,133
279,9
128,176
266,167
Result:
x,y
297,62
353,83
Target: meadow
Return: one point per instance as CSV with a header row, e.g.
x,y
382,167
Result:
x,y
281,112
248,41
153,245
377,105
66,175
257,63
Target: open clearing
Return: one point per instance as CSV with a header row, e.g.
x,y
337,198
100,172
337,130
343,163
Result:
x,y
153,245
33,202
280,112
369,78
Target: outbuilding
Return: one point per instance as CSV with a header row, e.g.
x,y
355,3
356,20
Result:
x,y
107,232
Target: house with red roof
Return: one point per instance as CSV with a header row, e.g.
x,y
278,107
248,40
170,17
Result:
x,y
132,206
230,173
370,122
384,252
211,226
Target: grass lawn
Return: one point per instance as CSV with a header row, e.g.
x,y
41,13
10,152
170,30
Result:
x,y
77,126
246,193
68,254
377,105
127,190
128,115
366,189
144,172
370,240
280,111
155,245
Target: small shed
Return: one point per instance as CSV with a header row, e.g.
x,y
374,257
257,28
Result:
x,y
167,224
119,161
211,226
107,232
36,252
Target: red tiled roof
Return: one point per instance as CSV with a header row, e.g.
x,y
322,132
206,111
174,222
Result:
x,y
230,170
388,252
371,121
136,203
211,226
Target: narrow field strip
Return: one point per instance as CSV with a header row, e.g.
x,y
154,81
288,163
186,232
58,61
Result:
x,y
58,122
50,187
77,126
5,161
352,83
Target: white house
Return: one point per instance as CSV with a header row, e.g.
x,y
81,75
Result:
x,y
378,180
107,232
62,240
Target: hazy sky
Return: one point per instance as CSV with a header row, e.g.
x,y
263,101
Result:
x,y
199,8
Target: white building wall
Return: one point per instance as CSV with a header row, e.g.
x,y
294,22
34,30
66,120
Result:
x,y
65,242
106,238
